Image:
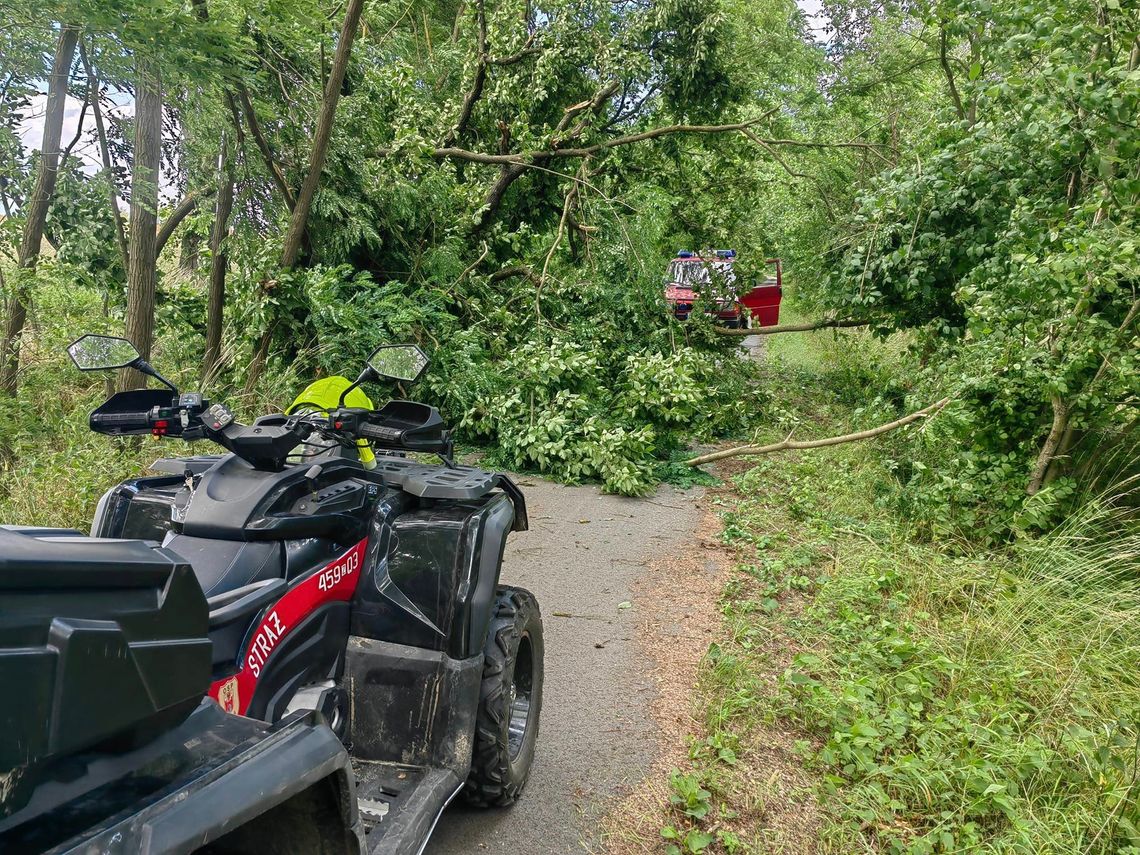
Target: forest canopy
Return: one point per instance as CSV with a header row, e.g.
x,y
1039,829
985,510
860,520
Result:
x,y
503,183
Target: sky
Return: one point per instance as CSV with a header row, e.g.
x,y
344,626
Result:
x,y
813,9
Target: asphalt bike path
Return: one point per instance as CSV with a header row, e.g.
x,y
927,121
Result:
x,y
581,558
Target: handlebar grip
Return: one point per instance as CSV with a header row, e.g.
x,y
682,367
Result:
x,y
384,434
120,420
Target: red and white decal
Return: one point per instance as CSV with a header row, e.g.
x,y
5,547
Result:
x,y
335,582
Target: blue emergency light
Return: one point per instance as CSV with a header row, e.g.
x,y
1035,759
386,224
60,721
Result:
x,y
726,253
684,254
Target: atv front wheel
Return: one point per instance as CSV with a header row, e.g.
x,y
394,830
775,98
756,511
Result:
x,y
509,702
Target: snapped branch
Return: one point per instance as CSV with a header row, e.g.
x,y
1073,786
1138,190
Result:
x,y
790,444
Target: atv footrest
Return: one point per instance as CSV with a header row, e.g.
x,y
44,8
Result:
x,y
400,804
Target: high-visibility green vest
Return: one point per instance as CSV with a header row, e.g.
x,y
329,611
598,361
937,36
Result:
x,y
322,396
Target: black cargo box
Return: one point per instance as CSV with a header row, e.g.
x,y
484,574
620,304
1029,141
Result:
x,y
102,643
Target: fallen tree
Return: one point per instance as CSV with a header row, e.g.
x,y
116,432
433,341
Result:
x,y
790,444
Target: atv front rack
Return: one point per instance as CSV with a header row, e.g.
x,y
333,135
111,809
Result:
x,y
460,483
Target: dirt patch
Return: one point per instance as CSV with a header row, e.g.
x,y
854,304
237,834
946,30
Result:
x,y
682,593
678,594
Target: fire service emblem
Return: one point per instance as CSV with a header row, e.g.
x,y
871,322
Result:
x,y
228,696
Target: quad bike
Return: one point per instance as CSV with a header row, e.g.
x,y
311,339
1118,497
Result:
x,y
300,645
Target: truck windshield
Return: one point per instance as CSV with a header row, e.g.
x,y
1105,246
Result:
x,y
695,273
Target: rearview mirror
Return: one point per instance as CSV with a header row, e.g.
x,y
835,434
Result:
x,y
102,353
398,361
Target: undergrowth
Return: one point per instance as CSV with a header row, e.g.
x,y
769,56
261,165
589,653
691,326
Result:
x,y
942,698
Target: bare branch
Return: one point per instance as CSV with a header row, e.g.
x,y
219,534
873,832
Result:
x,y
790,444
66,153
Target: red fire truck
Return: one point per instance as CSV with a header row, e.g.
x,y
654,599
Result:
x,y
691,275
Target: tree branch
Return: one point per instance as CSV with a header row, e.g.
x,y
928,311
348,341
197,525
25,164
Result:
x,y
263,146
476,91
530,158
180,212
511,272
944,59
515,58
826,323
66,153
105,155
789,444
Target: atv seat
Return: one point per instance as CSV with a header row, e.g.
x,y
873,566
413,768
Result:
x,y
226,565
240,578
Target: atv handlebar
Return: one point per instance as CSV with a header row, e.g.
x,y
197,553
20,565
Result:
x,y
267,444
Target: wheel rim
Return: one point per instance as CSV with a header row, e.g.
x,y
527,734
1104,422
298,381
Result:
x,y
521,694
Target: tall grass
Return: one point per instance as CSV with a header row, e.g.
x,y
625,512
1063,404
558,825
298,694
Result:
x,y
56,468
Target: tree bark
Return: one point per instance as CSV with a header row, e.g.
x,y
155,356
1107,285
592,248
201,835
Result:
x,y
219,262
299,219
37,208
142,272
789,444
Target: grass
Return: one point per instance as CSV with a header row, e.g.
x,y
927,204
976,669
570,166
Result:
x,y
57,468
935,698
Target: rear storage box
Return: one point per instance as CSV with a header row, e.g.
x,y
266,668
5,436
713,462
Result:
x,y
435,584
102,643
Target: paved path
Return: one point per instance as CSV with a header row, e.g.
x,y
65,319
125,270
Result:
x,y
581,556
754,347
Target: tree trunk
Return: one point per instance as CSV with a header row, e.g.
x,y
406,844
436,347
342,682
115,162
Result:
x,y
215,305
299,219
1049,448
142,272
37,208
189,253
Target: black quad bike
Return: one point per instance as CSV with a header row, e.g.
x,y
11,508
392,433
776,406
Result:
x,y
280,649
